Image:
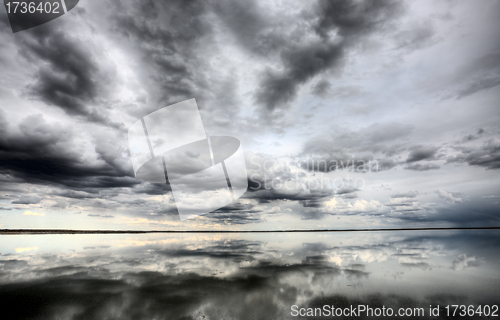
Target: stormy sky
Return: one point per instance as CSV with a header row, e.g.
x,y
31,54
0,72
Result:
x,y
350,113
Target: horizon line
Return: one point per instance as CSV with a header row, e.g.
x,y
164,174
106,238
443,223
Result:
x,y
71,231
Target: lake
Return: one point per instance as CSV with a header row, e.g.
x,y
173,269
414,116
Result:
x,y
247,275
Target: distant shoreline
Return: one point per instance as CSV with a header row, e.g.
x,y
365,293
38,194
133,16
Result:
x,y
69,231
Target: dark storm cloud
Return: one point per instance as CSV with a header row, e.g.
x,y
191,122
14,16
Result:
x,y
487,156
301,63
313,203
270,180
235,206
168,41
321,88
349,20
273,186
305,198
68,75
152,188
175,48
250,25
236,213
419,153
50,157
228,217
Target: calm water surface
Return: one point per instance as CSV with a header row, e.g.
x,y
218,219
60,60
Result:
x,y
243,276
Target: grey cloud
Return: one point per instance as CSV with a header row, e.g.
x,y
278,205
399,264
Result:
x,y
418,265
422,167
167,42
252,27
321,88
481,74
270,179
450,197
351,195
354,18
470,137
69,77
235,218
316,214
419,153
346,190
401,202
488,155
354,150
50,157
312,203
368,138
27,199
302,62
74,194
13,264
478,85
237,213
416,37
175,48
466,214
409,194
478,74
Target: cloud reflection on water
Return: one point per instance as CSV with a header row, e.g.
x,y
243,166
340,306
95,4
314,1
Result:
x,y
243,276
